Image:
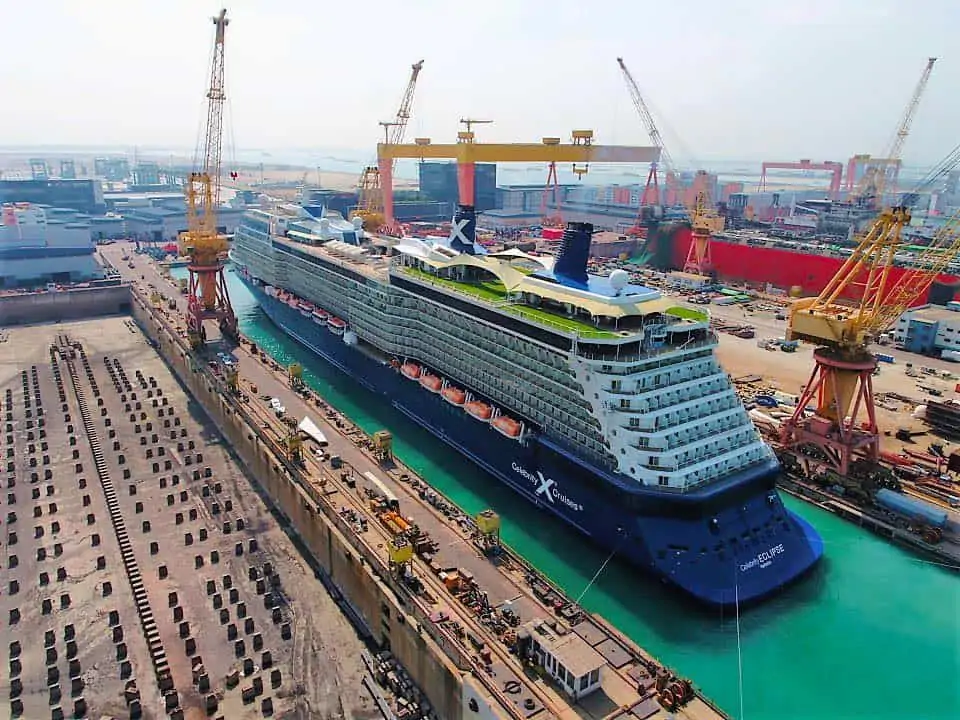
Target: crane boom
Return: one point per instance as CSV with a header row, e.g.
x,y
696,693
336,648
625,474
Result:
x,y
841,384
370,206
874,180
647,117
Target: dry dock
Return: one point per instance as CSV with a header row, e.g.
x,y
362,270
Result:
x,y
453,641
142,575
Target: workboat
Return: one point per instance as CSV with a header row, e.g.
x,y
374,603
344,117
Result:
x,y
598,401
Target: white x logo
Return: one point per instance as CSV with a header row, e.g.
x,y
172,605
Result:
x,y
545,485
456,232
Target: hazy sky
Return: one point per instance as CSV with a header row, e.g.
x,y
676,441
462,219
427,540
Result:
x,y
728,79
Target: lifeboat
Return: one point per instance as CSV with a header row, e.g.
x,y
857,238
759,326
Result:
x,y
506,425
411,370
480,410
292,302
270,290
454,395
431,382
336,325
306,309
319,317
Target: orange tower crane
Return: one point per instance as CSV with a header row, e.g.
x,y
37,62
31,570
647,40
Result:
x,y
207,296
840,386
370,206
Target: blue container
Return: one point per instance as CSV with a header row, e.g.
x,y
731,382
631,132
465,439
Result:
x,y
911,508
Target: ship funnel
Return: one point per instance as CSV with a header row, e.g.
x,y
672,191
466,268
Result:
x,y
574,252
463,234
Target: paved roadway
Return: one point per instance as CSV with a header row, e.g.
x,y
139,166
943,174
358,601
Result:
x,y
505,584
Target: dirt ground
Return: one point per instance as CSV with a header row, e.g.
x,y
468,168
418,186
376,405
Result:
x,y
177,517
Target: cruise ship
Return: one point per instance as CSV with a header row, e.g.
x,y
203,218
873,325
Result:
x,y
596,400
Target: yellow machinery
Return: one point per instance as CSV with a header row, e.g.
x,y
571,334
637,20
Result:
x,y
232,378
202,242
704,219
293,444
488,524
383,445
841,386
880,175
370,206
295,375
400,553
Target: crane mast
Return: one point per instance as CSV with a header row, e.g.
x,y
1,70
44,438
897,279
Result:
x,y
207,249
872,185
370,206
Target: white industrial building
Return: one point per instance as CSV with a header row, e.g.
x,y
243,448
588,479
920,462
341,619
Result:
x,y
42,245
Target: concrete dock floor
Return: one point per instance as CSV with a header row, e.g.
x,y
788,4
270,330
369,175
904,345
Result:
x,y
223,582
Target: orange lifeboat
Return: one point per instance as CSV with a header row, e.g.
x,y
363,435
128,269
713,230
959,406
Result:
x,y
480,410
506,425
431,382
454,395
411,370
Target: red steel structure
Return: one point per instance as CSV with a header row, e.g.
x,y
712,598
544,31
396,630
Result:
x,y
835,168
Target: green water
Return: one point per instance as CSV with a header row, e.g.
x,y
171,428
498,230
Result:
x,y
873,633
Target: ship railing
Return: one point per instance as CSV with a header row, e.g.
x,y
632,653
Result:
x,y
666,351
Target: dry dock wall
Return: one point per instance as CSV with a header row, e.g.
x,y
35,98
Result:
x,y
71,304
361,579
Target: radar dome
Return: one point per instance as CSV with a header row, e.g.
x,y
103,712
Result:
x,y
619,279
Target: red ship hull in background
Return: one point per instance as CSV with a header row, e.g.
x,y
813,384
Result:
x,y
781,268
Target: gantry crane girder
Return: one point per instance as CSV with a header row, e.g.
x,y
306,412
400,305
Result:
x,y
581,152
834,168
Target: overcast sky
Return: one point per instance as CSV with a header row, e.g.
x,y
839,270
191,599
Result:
x,y
729,79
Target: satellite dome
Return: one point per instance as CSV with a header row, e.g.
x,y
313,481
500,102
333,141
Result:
x,y
619,279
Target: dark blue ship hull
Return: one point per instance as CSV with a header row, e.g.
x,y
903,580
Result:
x,y
734,541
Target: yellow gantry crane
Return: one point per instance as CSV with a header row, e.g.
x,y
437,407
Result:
x,y
207,295
840,386
370,204
881,171
704,219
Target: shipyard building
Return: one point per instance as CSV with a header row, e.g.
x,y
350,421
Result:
x,y
84,196
438,181
929,329
40,246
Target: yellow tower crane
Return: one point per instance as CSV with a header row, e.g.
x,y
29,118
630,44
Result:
x,y
855,307
884,170
207,295
370,205
704,219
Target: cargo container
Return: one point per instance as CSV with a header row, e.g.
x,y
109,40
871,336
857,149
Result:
x,y
911,508
884,357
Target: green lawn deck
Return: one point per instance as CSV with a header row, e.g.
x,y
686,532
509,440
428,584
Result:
x,y
494,291
685,313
